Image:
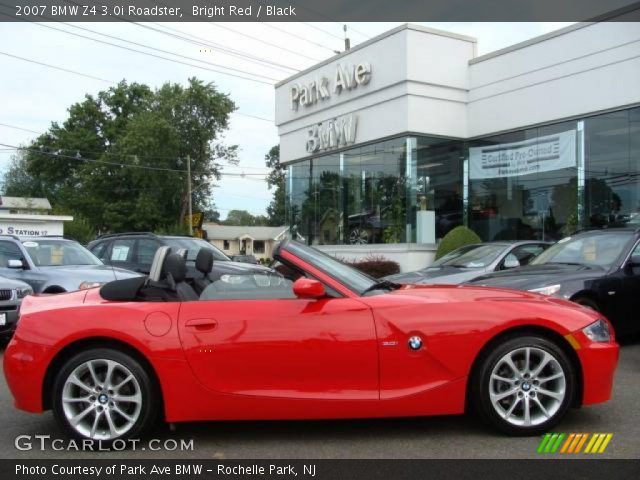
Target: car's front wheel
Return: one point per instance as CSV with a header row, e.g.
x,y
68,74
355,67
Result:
x,y
104,394
524,385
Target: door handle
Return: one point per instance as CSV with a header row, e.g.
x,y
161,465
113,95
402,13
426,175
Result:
x,y
201,324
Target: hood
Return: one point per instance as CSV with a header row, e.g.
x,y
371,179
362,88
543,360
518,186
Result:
x,y
471,293
11,284
436,275
90,273
536,276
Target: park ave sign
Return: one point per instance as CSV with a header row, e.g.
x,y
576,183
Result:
x,y
347,77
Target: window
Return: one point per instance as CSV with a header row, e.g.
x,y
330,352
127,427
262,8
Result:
x,y
258,246
9,251
100,250
525,253
122,250
147,250
260,286
226,245
51,253
597,249
523,185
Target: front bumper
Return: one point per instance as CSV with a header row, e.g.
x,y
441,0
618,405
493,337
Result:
x,y
25,367
11,319
599,362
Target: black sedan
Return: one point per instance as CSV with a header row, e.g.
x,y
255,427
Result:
x,y
471,261
599,269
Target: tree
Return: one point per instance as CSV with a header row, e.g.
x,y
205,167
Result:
x,y
119,160
244,218
276,179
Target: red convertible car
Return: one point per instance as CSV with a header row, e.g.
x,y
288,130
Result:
x,y
310,339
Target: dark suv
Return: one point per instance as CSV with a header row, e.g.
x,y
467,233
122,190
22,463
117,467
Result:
x,y
135,251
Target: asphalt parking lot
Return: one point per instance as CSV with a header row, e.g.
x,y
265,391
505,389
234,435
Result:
x,y
435,437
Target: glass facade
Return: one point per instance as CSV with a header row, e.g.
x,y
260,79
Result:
x,y
536,183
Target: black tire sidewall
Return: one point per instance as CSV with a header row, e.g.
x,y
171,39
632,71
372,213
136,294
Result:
x,y
149,391
481,381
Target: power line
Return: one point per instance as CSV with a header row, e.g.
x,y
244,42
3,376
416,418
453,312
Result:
x,y
129,165
57,68
157,56
160,50
219,25
257,117
323,30
298,36
20,128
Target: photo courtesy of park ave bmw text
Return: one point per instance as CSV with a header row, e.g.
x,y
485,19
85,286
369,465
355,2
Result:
x,y
288,239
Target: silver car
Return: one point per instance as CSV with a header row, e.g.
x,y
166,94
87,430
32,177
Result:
x,y
54,265
11,294
471,261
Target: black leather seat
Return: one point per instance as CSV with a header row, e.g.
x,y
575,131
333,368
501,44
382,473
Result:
x,y
174,271
204,265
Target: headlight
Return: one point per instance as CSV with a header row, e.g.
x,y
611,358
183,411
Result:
x,y
598,331
23,292
85,285
550,290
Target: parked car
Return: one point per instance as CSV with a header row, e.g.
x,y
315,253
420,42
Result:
x,y
11,294
245,259
599,269
54,264
325,342
135,251
471,261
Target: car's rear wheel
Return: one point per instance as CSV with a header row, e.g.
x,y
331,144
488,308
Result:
x,y
104,394
524,385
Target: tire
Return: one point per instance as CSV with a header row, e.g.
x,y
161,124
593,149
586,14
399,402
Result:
x,y
587,302
501,403
129,404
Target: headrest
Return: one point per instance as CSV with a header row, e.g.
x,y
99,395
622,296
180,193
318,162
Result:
x,y
175,266
204,261
155,272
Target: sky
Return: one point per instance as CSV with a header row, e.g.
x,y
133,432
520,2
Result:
x,y
32,95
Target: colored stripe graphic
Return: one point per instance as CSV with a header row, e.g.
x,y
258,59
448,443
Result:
x,y
574,442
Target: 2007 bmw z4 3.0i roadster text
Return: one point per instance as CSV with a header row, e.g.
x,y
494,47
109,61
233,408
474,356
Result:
x,y
311,338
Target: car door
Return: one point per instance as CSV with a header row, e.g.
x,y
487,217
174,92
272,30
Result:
x,y
29,274
623,290
282,347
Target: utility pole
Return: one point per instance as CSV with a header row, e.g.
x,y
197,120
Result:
x,y
189,193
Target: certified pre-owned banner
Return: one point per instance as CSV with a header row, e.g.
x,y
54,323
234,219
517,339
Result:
x,y
541,154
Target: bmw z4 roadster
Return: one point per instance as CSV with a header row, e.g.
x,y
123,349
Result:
x,y
310,339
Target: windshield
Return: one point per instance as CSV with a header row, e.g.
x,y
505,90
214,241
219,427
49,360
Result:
x,y
193,246
593,250
348,276
470,256
56,253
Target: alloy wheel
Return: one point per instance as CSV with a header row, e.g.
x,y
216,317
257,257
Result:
x,y
527,386
101,399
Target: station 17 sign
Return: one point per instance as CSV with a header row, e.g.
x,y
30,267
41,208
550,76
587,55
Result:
x,y
541,154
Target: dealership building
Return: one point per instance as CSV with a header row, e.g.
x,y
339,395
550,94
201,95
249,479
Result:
x,y
391,144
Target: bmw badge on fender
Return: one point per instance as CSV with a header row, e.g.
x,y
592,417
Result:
x,y
311,338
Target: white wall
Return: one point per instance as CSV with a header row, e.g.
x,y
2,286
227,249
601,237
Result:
x,y
418,83
578,72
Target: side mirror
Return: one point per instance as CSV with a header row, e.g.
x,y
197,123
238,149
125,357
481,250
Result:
x,y
16,264
308,288
510,262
